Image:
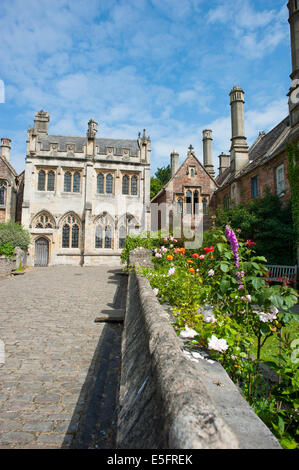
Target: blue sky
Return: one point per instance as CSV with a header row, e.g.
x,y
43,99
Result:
x,y
164,65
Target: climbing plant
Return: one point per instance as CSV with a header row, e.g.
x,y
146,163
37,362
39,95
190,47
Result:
x,y
293,176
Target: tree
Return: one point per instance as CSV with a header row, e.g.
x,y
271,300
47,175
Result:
x,y
162,176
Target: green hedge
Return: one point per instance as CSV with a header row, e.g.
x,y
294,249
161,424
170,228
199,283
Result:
x,y
14,234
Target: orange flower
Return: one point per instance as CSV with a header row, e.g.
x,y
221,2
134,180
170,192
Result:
x,y
189,261
169,257
182,250
195,255
192,270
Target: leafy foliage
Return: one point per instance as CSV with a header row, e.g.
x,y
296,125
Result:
x,y
293,176
7,250
14,234
162,176
268,224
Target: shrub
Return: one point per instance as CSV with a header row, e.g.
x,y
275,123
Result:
x,y
14,234
7,250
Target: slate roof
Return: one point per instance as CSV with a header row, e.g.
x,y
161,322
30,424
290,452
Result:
x,y
102,143
262,150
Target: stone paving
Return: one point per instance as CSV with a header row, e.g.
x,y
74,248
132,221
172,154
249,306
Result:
x,y
58,385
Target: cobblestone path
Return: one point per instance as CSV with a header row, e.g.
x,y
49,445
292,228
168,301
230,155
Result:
x,y
59,382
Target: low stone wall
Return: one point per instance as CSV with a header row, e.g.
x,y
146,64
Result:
x,y
167,401
7,265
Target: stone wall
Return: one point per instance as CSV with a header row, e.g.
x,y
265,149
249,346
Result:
x,y
6,265
167,401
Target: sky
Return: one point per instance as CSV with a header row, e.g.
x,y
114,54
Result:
x,y
164,65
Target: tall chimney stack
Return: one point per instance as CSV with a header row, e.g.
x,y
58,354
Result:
x,y
223,163
207,151
5,148
239,148
174,162
41,122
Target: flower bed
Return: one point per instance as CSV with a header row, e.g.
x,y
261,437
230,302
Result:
x,y
223,306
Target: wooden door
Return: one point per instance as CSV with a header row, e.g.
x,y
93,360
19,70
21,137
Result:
x,y
41,252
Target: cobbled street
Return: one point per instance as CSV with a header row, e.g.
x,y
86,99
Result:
x,y
59,382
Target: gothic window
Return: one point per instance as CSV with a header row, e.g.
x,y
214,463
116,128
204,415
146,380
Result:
x,y
67,182
280,180
180,206
189,202
76,183
2,194
195,202
192,172
204,206
108,237
70,232
254,187
75,236
43,220
100,183
226,203
41,180
125,184
122,236
66,236
51,181
99,237
109,184
134,186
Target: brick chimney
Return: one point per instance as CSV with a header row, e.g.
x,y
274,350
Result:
x,y
174,162
224,161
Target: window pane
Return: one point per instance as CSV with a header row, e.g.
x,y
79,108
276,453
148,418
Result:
x,y
100,183
122,236
99,236
134,186
280,179
67,182
109,180
2,196
75,236
108,237
204,206
195,202
76,183
189,202
254,186
66,236
41,180
180,206
51,181
125,185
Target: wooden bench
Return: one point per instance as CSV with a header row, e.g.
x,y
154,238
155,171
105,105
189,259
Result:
x,y
279,273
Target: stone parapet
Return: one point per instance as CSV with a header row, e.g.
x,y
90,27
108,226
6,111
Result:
x,y
167,401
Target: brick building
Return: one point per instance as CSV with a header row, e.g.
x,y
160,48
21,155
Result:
x,y
247,172
183,202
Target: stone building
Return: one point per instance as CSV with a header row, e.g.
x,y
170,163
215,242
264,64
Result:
x,y
247,172
8,184
184,201
83,195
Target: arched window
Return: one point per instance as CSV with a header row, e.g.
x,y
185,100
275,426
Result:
x,y
108,237
76,183
204,206
51,181
2,194
109,184
41,180
192,172
195,202
100,183
125,184
189,202
99,237
134,186
43,220
67,182
70,232
66,236
75,236
180,206
122,233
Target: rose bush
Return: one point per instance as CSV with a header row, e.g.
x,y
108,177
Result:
x,y
220,292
